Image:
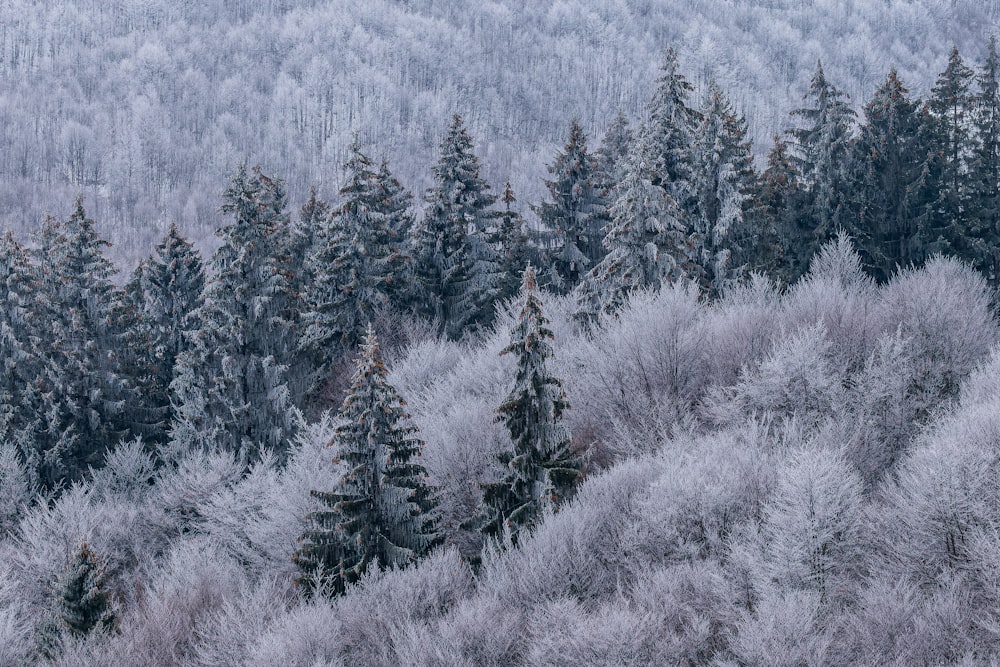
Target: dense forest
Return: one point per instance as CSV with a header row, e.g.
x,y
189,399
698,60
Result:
x,y
693,412
146,106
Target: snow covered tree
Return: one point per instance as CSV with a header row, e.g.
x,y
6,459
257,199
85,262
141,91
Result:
x,y
85,399
230,390
647,243
888,160
609,159
769,244
83,601
723,180
985,163
458,281
379,511
541,471
512,245
395,203
821,151
575,212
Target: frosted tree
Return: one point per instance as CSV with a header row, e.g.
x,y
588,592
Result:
x,y
230,391
574,212
648,245
379,511
888,159
83,601
610,158
85,399
352,269
459,288
821,155
771,243
985,162
512,245
723,180
395,203
541,471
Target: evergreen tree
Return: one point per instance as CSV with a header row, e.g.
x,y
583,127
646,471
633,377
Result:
x,y
541,471
985,165
85,398
723,181
610,158
770,244
648,245
458,282
512,245
230,390
575,212
83,601
949,133
379,512
821,156
395,203
888,159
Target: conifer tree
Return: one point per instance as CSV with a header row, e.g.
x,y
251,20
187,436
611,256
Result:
x,y
575,212
821,156
648,245
888,160
458,281
985,164
379,511
395,203
540,471
723,181
85,399
230,391
610,158
770,244
949,132
83,601
512,245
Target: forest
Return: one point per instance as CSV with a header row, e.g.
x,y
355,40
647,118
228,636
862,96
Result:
x,y
681,408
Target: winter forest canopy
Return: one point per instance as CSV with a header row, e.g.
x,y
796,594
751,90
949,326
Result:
x,y
670,392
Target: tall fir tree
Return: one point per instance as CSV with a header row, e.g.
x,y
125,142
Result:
x,y
85,398
985,164
949,133
395,203
83,600
230,390
458,281
888,161
512,245
380,510
769,244
723,181
541,471
575,212
821,153
610,158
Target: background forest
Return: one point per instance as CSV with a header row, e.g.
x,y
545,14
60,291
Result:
x,y
649,401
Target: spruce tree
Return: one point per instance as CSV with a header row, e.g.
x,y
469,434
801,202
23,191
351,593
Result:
x,y
458,281
512,245
772,242
395,203
83,601
85,399
888,160
723,181
541,471
379,511
575,212
230,390
985,164
609,159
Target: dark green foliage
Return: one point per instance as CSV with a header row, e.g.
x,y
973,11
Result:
x,y
456,273
379,511
541,471
985,163
575,212
230,391
513,248
768,243
83,601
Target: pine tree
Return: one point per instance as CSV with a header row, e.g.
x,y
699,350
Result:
x,y
888,159
512,245
610,158
395,203
648,245
230,390
771,244
575,212
723,181
379,512
541,471
457,277
85,399
83,600
821,156
985,165
949,133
